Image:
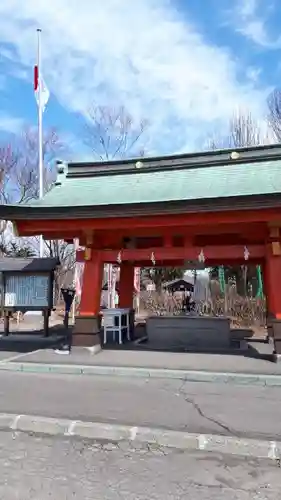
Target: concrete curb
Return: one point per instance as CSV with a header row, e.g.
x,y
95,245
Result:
x,y
141,435
122,371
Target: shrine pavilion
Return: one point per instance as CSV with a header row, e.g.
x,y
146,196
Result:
x,y
221,208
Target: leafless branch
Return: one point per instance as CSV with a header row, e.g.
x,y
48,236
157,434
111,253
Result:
x,y
19,166
274,118
243,131
66,255
113,133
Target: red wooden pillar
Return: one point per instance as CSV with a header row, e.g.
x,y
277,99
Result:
x,y
126,285
272,270
87,323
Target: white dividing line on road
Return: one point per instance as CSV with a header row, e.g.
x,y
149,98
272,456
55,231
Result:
x,y
18,356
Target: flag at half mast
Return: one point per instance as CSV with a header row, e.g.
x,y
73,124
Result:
x,y
40,87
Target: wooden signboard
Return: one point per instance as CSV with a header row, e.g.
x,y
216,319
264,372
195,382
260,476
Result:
x,y
27,291
27,285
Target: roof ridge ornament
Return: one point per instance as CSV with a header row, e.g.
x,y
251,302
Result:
x,y
234,155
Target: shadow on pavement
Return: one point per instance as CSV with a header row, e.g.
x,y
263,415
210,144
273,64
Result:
x,y
27,341
242,344
249,352
32,340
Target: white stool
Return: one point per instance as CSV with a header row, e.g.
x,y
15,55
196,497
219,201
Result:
x,y
112,323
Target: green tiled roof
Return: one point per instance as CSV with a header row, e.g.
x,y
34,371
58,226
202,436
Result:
x,y
152,186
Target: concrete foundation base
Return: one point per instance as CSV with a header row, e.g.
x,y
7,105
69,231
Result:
x,y
86,332
95,349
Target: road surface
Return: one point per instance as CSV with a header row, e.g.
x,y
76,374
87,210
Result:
x,y
252,412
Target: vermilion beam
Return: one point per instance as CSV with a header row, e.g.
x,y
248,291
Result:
x,y
162,221
221,230
211,253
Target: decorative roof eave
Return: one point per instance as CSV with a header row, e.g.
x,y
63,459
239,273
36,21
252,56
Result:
x,y
24,212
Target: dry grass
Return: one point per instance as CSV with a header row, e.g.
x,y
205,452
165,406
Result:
x,y
244,312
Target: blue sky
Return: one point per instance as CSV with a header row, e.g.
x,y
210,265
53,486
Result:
x,y
185,65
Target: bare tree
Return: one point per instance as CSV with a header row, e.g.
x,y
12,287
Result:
x,y
19,166
25,175
20,184
66,255
113,133
243,131
274,117
8,162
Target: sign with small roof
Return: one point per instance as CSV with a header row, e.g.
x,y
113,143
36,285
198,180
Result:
x,y
27,285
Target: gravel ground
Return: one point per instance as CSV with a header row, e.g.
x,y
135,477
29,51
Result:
x,y
41,468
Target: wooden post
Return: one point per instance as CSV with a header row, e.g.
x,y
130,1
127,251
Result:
x,y
6,323
46,322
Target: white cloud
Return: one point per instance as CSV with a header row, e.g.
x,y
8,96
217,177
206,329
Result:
x,y
250,20
138,53
253,73
11,124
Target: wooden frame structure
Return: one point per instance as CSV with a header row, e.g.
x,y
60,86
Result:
x,y
220,207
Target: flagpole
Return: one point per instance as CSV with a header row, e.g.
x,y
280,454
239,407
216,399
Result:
x,y
40,131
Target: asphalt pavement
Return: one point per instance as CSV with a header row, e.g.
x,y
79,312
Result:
x,y
41,468
241,411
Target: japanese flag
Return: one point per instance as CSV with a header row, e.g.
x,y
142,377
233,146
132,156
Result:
x,y
42,93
